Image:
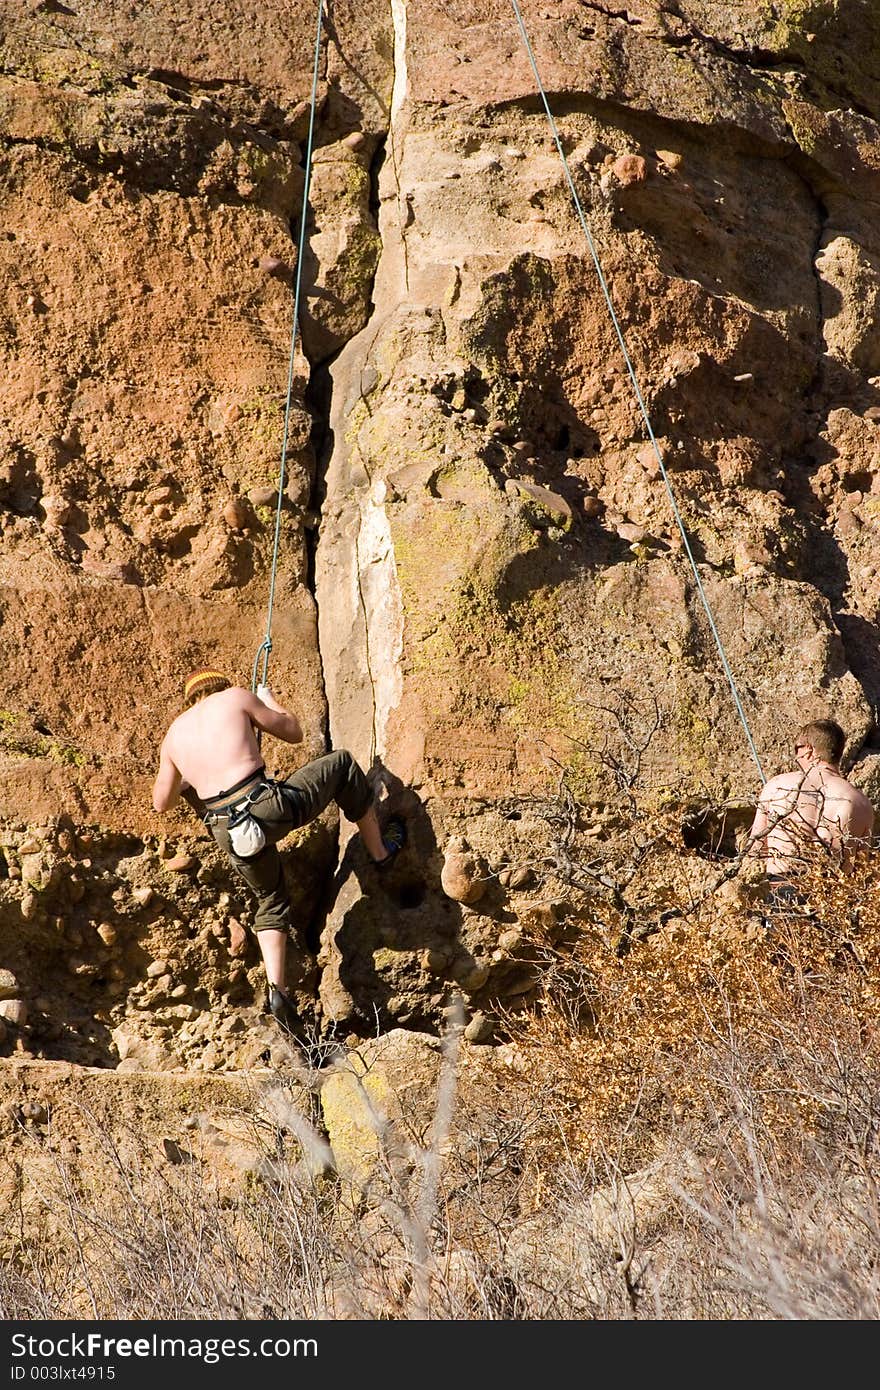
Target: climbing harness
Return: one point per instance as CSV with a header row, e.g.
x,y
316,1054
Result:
x,y
265,646
246,834
642,407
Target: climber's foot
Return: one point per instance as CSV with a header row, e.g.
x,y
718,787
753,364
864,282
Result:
x,y
282,1009
394,839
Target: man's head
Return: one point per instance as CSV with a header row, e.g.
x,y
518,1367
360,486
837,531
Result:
x,y
820,741
201,683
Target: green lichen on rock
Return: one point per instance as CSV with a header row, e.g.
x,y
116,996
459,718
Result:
x,y
264,413
504,658
66,755
354,1104
838,43
697,751
351,278
17,735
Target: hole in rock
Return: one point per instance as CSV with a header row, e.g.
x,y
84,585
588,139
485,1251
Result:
x,y
714,831
410,895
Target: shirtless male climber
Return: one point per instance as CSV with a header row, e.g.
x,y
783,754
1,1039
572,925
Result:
x,y
813,805
212,749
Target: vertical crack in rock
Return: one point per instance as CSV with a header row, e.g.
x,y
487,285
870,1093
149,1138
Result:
x,y
360,618
832,575
398,97
364,550
320,395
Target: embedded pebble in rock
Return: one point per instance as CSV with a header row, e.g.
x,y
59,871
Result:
x,y
522,877
263,496
472,977
9,988
30,906
552,503
629,531
629,169
479,1029
156,968
108,933
273,265
462,877
58,510
237,938
14,1011
186,1012
29,846
179,863
33,869
236,514
143,896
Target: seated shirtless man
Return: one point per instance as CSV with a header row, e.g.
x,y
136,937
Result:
x,y
212,749
812,806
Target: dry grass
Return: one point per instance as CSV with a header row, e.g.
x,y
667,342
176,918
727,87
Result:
x,y
686,1130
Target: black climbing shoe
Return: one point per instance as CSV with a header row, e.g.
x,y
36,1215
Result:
x,y
282,1009
394,839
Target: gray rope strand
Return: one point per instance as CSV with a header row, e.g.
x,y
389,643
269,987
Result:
x,y
266,645
642,407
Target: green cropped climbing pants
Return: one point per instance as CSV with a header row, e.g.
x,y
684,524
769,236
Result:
x,y
281,807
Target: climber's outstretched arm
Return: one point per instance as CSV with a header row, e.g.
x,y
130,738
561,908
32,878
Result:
x,y
168,783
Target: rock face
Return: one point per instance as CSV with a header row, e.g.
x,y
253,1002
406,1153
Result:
x,y
482,583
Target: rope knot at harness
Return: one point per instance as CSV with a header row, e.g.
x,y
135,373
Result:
x,y
263,651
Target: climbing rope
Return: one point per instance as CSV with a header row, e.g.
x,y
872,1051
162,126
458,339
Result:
x,y
265,646
642,407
